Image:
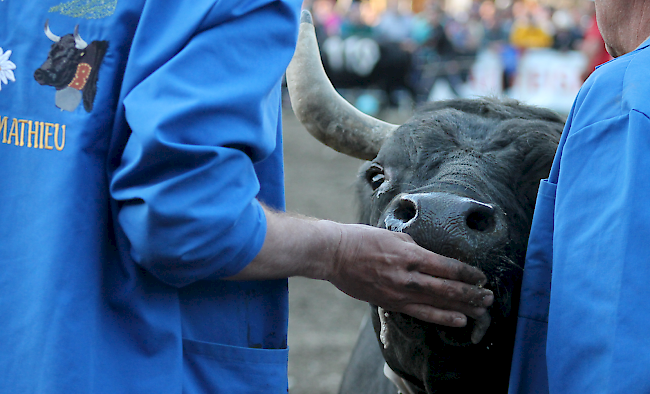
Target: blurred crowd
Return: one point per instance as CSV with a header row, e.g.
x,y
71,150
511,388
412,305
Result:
x,y
448,40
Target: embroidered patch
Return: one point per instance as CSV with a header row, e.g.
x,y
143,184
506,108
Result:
x,y
89,9
6,68
71,67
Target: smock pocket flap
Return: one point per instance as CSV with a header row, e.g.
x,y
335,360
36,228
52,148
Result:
x,y
216,368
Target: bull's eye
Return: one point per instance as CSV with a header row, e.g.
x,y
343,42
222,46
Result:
x,y
375,176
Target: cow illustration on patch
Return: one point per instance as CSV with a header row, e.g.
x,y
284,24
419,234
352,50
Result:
x,y
71,67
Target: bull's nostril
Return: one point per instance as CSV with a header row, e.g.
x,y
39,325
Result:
x,y
405,210
40,76
481,220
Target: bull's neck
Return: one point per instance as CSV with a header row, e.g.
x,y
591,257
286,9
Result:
x,y
403,386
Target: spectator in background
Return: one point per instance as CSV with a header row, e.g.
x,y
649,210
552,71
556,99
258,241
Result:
x,y
465,32
327,16
434,53
354,23
431,36
529,29
496,26
326,20
527,33
495,31
567,33
394,24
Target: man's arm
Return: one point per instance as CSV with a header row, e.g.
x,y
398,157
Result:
x,y
375,265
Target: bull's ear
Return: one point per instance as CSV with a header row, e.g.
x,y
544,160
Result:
x,y
319,107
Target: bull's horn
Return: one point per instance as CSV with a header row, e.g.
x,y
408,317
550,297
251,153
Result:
x,y
323,112
49,33
79,42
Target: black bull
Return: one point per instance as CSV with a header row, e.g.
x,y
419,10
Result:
x,y
460,177
72,63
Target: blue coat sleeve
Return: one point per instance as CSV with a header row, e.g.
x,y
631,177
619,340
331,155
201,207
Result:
x,y
203,85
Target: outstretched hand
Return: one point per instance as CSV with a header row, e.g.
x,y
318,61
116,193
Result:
x,y
384,268
390,270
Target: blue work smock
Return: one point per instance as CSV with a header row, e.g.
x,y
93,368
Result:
x,y
133,159
583,319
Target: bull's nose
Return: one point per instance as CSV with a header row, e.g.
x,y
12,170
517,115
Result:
x,y
476,215
479,216
39,76
443,221
405,210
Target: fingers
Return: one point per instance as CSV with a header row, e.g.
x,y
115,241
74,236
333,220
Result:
x,y
447,302
449,319
425,311
445,267
435,316
448,294
480,328
390,270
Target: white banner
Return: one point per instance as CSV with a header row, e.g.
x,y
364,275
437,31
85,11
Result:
x,y
545,77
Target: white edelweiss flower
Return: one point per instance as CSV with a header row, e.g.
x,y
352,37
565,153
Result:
x,y
6,68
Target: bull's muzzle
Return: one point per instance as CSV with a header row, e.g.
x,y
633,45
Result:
x,y
448,224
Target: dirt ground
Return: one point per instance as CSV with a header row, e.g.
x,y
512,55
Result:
x,y
323,322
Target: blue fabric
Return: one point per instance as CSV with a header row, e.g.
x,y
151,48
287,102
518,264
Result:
x,y
529,357
589,246
116,234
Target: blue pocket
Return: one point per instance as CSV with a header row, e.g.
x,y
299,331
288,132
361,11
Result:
x,y
216,368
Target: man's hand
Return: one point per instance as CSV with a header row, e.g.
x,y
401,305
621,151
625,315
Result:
x,y
390,270
384,268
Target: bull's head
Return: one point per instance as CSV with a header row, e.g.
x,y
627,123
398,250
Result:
x,y
60,67
460,177
72,67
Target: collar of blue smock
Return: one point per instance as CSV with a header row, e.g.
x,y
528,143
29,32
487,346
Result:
x,y
643,45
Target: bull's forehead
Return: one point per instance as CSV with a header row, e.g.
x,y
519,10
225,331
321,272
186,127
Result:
x,y
479,151
441,131
67,41
433,146
441,152
464,175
